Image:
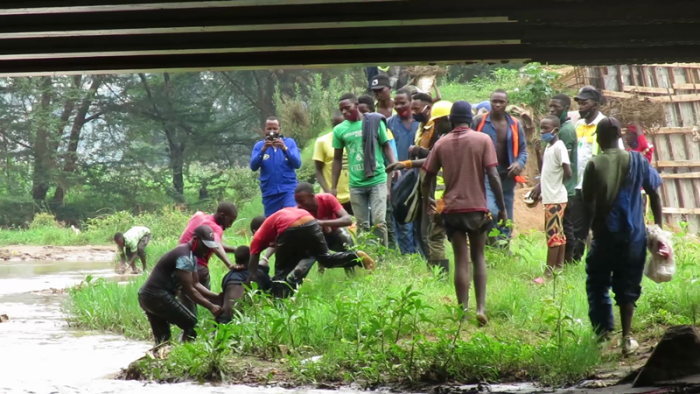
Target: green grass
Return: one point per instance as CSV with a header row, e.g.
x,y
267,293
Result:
x,y
166,225
400,324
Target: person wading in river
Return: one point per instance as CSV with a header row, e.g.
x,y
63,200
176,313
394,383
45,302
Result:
x,y
131,244
177,271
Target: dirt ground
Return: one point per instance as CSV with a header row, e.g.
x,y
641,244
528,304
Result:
x,y
57,253
526,219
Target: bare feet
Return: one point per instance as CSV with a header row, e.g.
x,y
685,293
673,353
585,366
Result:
x,y
367,261
481,319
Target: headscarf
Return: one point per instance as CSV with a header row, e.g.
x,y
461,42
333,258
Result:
x,y
642,145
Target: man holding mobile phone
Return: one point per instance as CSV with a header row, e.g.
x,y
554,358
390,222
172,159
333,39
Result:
x,y
277,157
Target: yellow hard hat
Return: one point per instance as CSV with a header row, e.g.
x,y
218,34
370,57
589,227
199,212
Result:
x,y
440,109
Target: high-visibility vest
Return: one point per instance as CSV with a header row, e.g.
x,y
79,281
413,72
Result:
x,y
516,141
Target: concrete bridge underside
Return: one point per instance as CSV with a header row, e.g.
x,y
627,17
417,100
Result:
x,y
98,36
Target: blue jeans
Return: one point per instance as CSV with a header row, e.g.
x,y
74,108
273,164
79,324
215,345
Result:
x,y
278,201
404,236
613,262
371,201
508,185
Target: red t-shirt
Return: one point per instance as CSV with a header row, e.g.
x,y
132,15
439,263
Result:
x,y
464,155
202,219
328,206
273,226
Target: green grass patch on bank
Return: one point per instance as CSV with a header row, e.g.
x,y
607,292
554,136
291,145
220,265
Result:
x,y
400,324
166,225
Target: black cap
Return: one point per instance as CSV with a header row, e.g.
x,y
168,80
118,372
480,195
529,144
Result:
x,y
206,235
588,93
380,82
461,112
609,127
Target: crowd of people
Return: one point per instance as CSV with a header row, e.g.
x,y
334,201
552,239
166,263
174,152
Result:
x,y
416,171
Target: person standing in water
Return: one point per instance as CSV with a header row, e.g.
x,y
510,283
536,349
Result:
x,y
133,243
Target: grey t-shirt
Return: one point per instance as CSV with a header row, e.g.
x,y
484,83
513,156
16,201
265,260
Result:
x,y
164,275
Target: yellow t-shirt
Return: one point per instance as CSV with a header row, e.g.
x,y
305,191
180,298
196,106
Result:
x,y
422,139
324,152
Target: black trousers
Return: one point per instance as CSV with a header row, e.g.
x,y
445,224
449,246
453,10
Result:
x,y
163,309
298,249
578,226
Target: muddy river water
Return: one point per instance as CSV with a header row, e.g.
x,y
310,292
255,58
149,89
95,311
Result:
x,y
40,354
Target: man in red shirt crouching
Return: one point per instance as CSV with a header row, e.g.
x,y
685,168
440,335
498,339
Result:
x,y
299,242
330,215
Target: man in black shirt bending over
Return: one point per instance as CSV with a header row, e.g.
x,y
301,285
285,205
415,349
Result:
x,y
177,271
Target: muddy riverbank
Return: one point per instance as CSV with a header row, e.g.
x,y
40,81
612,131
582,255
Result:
x,y
100,253
42,354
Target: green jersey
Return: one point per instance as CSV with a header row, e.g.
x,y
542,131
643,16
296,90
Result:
x,y
348,135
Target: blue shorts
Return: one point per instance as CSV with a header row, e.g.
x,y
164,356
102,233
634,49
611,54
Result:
x,y
275,202
240,277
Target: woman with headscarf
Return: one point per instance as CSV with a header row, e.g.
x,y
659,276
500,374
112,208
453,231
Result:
x,y
636,141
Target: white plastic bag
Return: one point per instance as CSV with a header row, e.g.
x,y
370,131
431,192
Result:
x,y
662,265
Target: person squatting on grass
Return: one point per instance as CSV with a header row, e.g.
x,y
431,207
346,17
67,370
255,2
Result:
x,y
611,190
556,169
465,156
299,243
177,271
133,243
226,214
330,215
277,157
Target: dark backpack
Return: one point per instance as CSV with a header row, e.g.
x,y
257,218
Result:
x,y
405,196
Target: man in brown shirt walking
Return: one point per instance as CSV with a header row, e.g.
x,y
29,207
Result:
x,y
464,156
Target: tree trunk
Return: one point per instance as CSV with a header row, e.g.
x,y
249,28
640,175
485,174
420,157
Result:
x,y
71,156
265,83
42,152
175,146
177,164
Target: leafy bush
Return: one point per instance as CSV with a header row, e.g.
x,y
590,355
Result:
x,y
43,220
